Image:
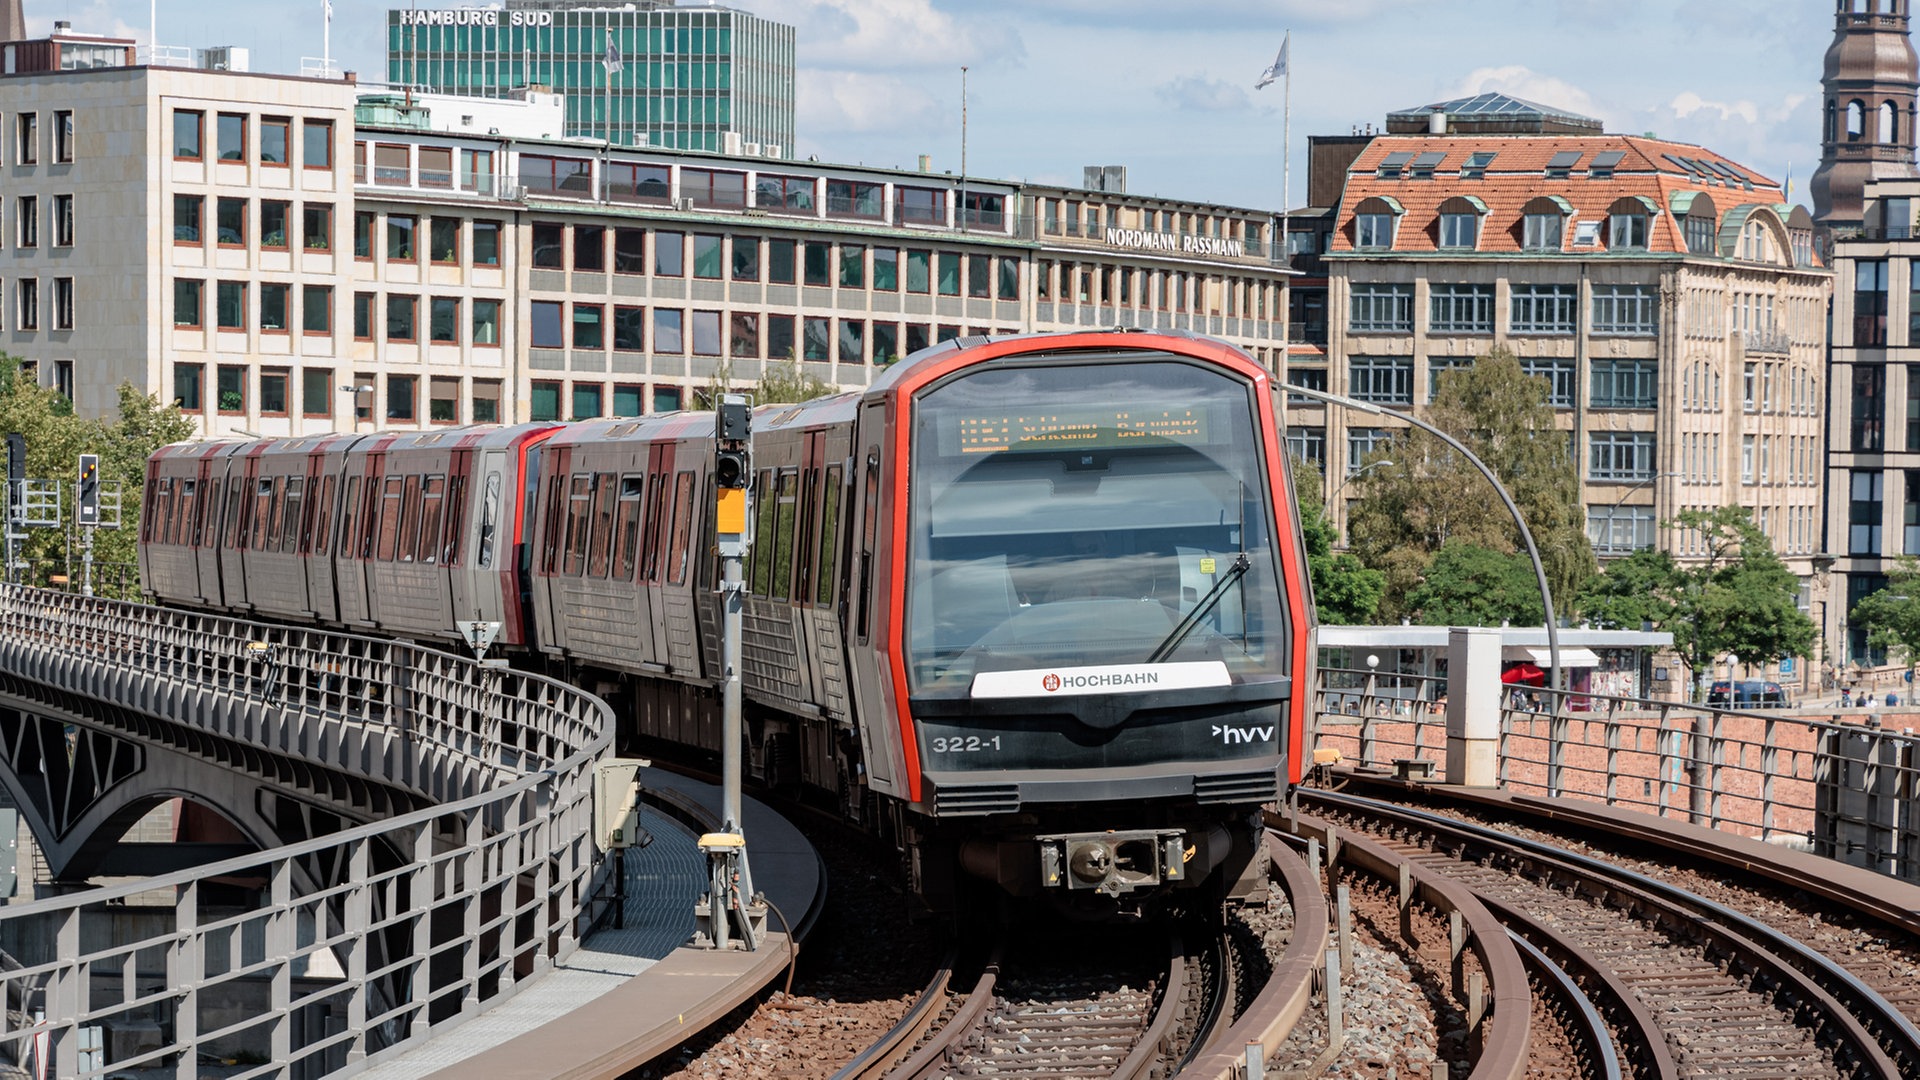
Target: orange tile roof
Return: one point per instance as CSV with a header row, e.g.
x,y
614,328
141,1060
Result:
x,y
1517,176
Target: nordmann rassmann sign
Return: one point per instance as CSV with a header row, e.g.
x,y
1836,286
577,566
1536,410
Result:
x,y
1141,240
474,17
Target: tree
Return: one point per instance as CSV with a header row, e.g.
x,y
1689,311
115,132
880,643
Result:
x,y
1468,585
1892,615
780,381
55,440
1426,496
1740,599
1344,590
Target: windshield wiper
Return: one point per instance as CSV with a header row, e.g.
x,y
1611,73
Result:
x,y
1201,610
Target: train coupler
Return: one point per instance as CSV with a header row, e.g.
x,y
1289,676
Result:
x,y
1115,862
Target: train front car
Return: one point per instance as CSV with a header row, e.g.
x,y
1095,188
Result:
x,y
1105,616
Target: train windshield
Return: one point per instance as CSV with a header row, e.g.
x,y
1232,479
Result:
x,y
1082,515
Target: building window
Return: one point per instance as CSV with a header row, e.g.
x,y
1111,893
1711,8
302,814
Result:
x,y
668,330
1382,308
1626,309
443,320
987,211
1870,302
63,303
1373,232
919,271
436,167
1308,444
629,329
443,240
316,151
27,219
400,230
63,136
706,333
816,337
628,182
392,164
363,316
186,218
443,400
947,276
1384,380
1544,309
1624,384
273,307
1364,441
486,323
708,252
401,312
1620,530
919,206
316,392
628,399
1910,514
780,261
549,246
316,227
27,146
188,126
188,309
400,397
230,138
849,198
814,260
543,401
771,192
1440,365
743,335
363,234
63,221
230,219
273,391
1913,418
275,138
1010,280
714,187
273,224
1627,230
746,258
548,332
1867,493
187,379
230,305
230,389
1460,309
486,243
316,309
1869,408
669,254
980,276
590,248
1559,375
886,343
27,295
666,399
486,401
1620,455
853,266
1542,232
1703,234
853,346
1459,231
586,401
588,333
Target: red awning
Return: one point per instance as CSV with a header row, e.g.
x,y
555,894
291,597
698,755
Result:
x,y
1524,673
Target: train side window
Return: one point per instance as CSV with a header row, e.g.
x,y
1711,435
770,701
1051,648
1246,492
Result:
x,y
263,519
149,527
656,530
291,509
682,528
786,503
433,496
806,520
762,550
387,533
206,519
409,519
632,488
323,517
187,496
579,507
454,518
824,583
236,526
600,542
489,520
349,519
550,546
869,528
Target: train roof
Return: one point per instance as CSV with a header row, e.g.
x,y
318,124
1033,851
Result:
x,y
1111,338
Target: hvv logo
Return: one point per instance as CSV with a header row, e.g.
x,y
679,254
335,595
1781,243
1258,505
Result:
x,y
1231,735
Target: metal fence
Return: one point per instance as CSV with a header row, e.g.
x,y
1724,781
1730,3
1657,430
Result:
x,y
1773,775
307,959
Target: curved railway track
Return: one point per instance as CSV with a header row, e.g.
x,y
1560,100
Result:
x,y
1728,996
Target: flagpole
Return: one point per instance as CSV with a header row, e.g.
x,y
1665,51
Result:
x,y
326,37
1286,157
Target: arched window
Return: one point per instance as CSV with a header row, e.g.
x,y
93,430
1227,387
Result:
x,y
1459,223
1856,120
1827,135
1542,223
1889,123
1627,225
1374,221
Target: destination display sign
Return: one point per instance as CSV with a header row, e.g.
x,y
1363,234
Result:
x,y
1084,428
1106,679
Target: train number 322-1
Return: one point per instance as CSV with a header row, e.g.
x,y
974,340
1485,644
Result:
x,y
964,744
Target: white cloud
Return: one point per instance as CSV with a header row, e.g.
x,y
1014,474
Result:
x,y
1203,95
1518,81
94,18
838,102
1686,103
880,35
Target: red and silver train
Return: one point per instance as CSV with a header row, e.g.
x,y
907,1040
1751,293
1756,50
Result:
x,y
1034,607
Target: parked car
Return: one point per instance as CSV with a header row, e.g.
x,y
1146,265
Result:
x,y
1749,694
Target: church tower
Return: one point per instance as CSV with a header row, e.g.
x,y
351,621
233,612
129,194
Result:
x,y
1867,113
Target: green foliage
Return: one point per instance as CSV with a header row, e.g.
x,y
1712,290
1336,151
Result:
x,y
780,381
55,440
1344,590
1468,585
1892,615
1739,599
1418,495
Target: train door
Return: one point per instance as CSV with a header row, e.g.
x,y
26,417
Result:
x,y
806,566
551,543
351,547
202,537
656,528
323,508
456,550
862,599
235,531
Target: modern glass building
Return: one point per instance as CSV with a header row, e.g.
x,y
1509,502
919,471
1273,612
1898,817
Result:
x,y
637,73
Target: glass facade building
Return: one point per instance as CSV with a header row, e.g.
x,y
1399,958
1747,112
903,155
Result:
x,y
685,78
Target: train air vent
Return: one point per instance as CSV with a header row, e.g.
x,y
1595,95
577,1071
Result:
x,y
1261,786
977,799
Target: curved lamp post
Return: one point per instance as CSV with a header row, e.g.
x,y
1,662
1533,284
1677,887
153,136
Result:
x,y
1526,535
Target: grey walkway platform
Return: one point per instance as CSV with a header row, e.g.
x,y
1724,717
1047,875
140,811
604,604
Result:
x,y
624,989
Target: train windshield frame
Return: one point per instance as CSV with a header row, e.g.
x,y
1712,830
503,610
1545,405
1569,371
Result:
x,y
1126,525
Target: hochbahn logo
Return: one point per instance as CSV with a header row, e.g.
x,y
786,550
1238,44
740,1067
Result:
x,y
1054,682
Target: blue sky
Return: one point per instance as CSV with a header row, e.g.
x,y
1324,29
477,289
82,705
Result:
x,y
1165,87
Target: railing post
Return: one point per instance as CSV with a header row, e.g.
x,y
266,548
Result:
x,y
1473,706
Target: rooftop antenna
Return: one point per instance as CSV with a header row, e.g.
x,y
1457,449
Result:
x,y
963,148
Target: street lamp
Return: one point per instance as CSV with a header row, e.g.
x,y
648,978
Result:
x,y
1355,475
356,391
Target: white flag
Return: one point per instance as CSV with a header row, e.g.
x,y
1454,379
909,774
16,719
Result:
x,y
1279,68
329,6
611,61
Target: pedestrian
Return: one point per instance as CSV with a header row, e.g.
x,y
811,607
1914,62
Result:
x,y
1866,700
1846,697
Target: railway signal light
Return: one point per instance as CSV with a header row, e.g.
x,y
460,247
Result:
x,y
732,433
87,504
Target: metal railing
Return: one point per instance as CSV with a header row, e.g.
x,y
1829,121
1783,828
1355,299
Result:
x,y
333,951
1755,774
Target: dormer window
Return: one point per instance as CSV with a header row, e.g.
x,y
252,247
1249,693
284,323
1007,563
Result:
x,y
1476,164
1391,165
1374,222
1603,163
1561,165
1628,223
1543,223
1460,223
1423,166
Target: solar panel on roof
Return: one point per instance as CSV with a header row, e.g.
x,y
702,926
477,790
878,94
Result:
x,y
1723,169
1564,159
1678,163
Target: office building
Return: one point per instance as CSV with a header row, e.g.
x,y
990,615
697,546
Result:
x,y
642,73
